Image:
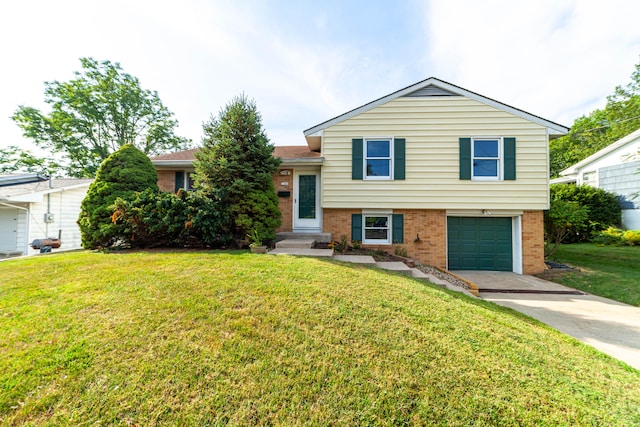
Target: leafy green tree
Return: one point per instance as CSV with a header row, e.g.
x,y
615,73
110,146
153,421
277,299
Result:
x,y
237,161
96,113
593,132
121,175
560,221
14,159
603,207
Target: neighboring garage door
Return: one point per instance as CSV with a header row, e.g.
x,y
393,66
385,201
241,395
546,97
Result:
x,y
479,243
8,229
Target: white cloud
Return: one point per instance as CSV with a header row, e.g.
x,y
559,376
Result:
x,y
557,59
305,63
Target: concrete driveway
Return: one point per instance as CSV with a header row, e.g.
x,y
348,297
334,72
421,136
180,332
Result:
x,y
610,326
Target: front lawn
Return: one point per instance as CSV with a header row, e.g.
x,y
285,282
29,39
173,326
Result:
x,y
608,271
210,338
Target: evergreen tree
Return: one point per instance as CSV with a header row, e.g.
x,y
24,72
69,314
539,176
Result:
x,y
236,161
122,174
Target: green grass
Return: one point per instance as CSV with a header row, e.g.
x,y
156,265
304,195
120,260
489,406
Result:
x,y
197,338
608,271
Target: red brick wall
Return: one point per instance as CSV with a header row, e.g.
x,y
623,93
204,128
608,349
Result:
x,y
285,204
429,225
533,242
167,180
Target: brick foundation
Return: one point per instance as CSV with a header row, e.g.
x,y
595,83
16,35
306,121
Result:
x,y
429,225
425,235
533,242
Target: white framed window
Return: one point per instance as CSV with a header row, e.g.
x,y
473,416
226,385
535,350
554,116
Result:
x,y
486,155
378,158
376,229
589,177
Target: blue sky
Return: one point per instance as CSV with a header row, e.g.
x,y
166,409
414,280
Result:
x,y
304,62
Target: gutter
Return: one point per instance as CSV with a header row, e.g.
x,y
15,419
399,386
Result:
x,y
13,206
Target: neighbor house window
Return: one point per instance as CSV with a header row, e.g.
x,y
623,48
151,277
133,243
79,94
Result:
x,y
486,158
589,177
378,158
377,229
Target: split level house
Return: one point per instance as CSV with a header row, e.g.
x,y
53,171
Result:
x,y
459,180
615,168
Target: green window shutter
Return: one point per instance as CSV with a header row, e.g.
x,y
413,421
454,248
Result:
x,y
179,181
356,159
509,159
356,227
399,158
398,228
465,158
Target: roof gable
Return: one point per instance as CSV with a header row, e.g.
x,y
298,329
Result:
x,y
428,88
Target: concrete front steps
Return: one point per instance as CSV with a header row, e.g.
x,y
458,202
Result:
x,y
302,245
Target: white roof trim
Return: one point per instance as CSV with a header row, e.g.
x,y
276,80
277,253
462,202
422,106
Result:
x,y
599,154
173,163
36,196
303,161
571,179
552,128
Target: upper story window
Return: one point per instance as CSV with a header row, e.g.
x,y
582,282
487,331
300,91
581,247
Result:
x,y
487,158
378,158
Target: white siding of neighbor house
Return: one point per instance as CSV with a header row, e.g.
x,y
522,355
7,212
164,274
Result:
x,y
65,207
432,127
620,156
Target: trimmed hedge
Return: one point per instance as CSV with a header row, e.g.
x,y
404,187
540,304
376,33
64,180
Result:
x,y
186,219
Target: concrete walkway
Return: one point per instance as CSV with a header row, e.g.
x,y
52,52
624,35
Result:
x,y
610,326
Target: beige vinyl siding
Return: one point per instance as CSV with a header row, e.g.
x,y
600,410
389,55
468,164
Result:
x,y
432,127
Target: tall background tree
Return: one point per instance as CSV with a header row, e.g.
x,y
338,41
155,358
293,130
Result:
x,y
591,133
14,159
123,175
94,114
236,163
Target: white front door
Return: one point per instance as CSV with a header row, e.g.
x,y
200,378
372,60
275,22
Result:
x,y
306,201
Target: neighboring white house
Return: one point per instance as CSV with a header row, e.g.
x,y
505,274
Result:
x,y
37,210
615,168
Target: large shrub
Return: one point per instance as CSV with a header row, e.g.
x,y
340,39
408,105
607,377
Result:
x,y
186,219
604,209
121,175
237,162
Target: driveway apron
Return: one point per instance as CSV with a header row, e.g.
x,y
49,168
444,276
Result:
x,y
610,326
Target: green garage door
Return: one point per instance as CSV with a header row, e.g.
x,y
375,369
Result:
x,y
479,244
